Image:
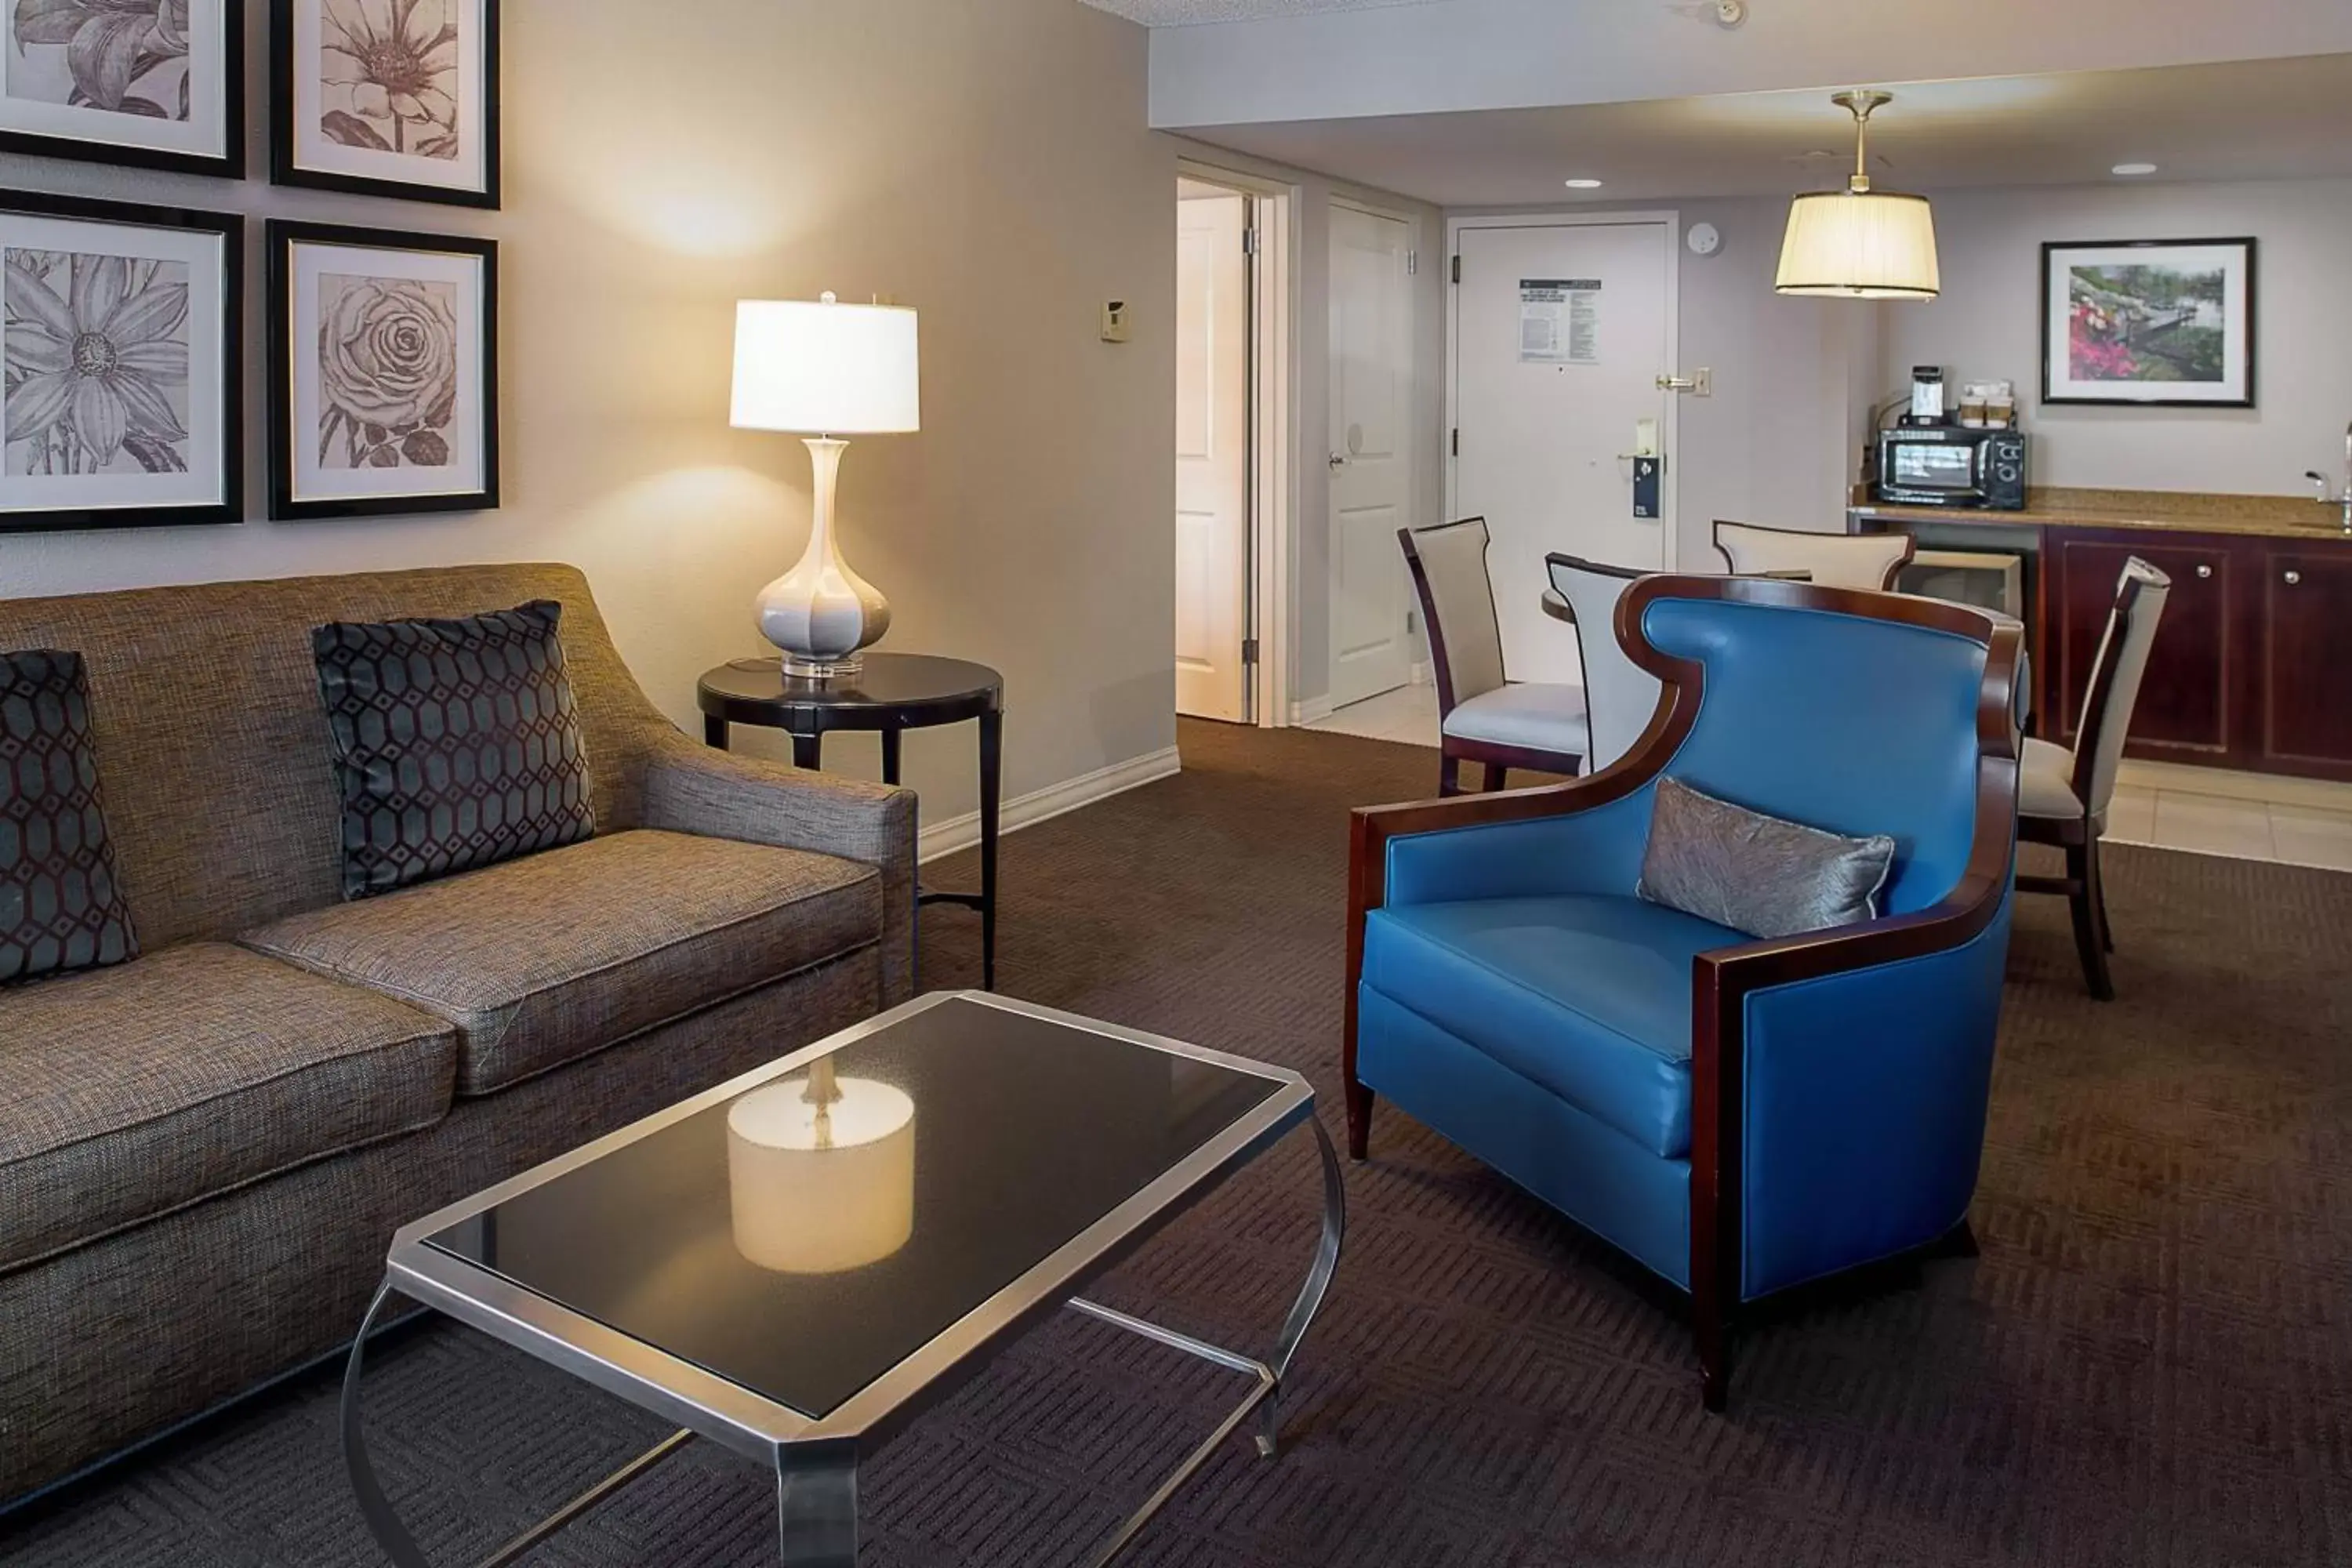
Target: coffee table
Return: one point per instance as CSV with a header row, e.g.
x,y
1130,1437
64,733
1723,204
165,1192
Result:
x,y
796,1264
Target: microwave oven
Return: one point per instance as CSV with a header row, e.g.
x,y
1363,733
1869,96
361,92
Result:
x,y
1950,465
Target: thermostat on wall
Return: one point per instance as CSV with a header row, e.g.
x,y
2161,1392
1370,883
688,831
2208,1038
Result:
x,y
1704,239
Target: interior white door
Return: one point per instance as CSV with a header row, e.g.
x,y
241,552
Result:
x,y
1371,453
1561,334
1213,432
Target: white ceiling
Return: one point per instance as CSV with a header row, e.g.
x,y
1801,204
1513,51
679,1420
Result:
x,y
2264,119
1188,13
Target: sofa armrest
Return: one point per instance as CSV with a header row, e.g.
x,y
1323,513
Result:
x,y
697,789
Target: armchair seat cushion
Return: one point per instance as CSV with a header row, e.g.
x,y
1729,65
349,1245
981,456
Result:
x,y
1588,995
2045,782
1538,717
545,960
127,1093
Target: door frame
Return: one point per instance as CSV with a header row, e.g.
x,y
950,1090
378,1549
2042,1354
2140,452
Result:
x,y
1271,611
1417,666
1671,433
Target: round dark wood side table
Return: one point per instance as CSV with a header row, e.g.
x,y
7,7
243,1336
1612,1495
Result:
x,y
894,693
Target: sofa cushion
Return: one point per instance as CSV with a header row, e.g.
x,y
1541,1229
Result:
x,y
129,1092
540,961
1588,995
458,743
60,907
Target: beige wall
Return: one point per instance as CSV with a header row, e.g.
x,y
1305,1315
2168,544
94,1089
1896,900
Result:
x,y
986,163
1988,326
1311,561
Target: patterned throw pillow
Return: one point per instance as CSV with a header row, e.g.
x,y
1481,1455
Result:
x,y
457,744
59,906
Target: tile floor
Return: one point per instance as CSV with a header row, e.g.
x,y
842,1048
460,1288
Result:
x,y
2253,817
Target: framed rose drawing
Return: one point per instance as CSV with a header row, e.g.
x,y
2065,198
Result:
x,y
384,367
123,365
387,97
156,83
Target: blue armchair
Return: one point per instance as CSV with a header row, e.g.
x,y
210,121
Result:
x,y
1739,1116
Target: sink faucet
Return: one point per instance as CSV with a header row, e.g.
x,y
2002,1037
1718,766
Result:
x,y
2320,480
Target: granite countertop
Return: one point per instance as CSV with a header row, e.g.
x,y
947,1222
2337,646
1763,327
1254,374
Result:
x,y
2273,517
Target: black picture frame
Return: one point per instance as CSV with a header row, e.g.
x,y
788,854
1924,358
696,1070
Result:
x,y
229,164
281,240
2056,395
230,228
287,170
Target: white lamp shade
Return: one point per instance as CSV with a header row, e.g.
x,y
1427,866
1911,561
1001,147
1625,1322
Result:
x,y
1867,244
817,368
811,1199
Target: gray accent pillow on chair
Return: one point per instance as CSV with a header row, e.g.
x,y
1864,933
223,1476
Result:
x,y
60,908
457,744
1757,874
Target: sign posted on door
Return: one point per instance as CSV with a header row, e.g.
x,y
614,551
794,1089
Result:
x,y
1560,321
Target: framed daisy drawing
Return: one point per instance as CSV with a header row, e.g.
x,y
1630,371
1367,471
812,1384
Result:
x,y
157,84
387,97
123,365
384,372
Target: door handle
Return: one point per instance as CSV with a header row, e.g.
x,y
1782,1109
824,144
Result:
x,y
1338,461
2204,571
2293,578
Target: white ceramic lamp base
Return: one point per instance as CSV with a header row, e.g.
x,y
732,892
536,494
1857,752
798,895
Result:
x,y
821,614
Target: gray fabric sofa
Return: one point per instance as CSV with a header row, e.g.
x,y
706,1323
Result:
x,y
203,1152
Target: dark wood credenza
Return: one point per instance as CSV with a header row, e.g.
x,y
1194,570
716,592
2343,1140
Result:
x,y
2253,666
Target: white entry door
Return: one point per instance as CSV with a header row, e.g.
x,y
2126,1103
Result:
x,y
1213,472
1561,334
1371,453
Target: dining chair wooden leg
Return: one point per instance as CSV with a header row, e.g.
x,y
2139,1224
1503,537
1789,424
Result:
x,y
2106,927
2082,900
1499,777
1449,775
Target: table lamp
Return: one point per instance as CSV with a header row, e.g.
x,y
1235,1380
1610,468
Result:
x,y
821,1172
824,370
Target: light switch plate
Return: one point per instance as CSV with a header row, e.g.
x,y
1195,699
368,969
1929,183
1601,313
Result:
x,y
1116,328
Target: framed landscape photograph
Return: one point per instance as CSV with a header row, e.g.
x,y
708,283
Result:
x,y
159,84
123,365
2158,323
384,372
387,97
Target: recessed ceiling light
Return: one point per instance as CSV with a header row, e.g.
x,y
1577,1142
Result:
x,y
1583,184
2134,168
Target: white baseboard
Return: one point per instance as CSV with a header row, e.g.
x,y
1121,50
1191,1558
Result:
x,y
1422,674
1314,710
957,833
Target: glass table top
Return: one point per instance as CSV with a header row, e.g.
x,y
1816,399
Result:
x,y
802,1238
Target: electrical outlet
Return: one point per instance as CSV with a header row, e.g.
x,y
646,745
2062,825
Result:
x,y
1116,328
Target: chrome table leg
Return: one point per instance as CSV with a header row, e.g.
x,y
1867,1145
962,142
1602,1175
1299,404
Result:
x,y
383,1523
816,1509
1266,1394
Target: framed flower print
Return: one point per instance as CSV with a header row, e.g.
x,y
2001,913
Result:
x,y
383,367
387,97
122,362
159,84
2153,323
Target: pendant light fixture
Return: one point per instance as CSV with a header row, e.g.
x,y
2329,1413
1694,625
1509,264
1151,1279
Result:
x,y
1860,243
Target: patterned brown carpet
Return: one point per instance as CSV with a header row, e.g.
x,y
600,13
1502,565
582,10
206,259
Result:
x,y
2151,1363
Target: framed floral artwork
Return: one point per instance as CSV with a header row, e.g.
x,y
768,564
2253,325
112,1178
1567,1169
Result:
x,y
2164,323
387,97
123,365
159,84
384,367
